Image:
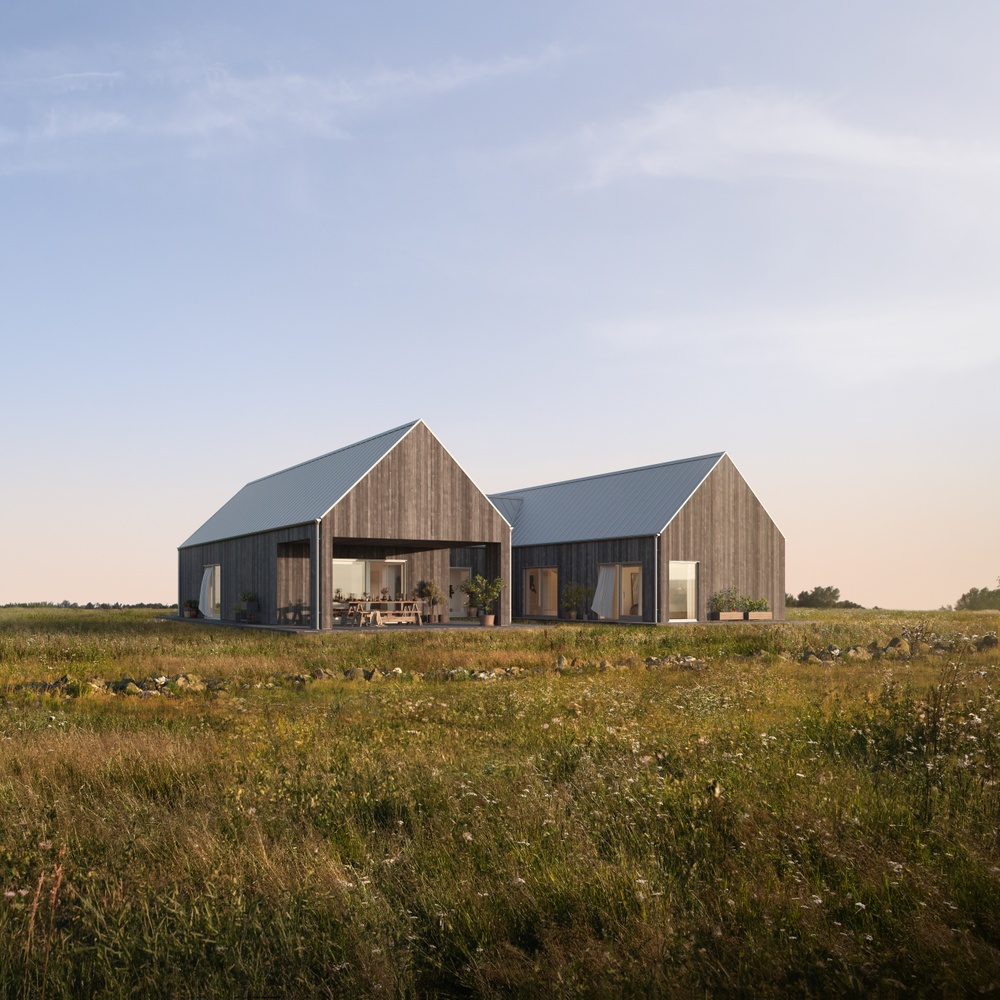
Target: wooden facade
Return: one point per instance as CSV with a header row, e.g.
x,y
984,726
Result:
x,y
723,527
578,562
414,504
726,530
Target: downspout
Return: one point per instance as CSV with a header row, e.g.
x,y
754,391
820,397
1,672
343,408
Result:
x,y
319,575
656,579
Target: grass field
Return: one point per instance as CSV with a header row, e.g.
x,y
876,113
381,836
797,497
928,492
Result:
x,y
743,824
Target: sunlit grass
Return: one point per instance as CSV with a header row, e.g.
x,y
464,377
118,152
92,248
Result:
x,y
752,826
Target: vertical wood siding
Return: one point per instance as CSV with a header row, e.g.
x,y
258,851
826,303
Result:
x,y
419,500
577,562
249,563
726,530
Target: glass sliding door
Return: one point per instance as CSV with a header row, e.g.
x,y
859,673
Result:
x,y
385,580
604,604
210,597
682,589
630,594
541,592
619,592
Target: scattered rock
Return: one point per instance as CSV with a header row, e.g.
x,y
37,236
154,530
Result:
x,y
354,674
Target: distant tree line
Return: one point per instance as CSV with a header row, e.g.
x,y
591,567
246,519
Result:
x,y
980,600
819,597
90,604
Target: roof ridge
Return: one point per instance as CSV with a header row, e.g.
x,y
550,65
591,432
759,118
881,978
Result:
x,y
616,472
336,451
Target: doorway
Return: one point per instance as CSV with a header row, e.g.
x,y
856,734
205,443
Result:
x,y
457,575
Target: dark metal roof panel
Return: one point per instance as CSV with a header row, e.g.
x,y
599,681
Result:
x,y
623,504
300,494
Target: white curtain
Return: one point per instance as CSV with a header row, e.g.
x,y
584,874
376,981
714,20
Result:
x,y
206,599
604,596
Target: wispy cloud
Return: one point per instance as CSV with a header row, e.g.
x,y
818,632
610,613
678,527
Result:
x,y
728,135
214,107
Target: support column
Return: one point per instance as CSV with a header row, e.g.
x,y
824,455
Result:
x,y
498,564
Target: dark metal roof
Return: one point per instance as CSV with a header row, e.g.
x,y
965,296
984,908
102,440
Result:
x,y
300,494
623,504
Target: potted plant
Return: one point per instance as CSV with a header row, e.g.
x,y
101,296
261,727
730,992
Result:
x,y
726,606
575,596
483,594
757,609
191,608
434,596
249,605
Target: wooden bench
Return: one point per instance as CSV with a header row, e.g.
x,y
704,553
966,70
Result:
x,y
383,613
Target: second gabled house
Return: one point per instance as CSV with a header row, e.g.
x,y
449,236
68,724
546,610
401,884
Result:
x,y
651,543
381,515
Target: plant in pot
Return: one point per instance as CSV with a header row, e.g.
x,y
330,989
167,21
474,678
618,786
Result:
x,y
757,609
191,608
434,596
574,597
249,605
483,594
726,605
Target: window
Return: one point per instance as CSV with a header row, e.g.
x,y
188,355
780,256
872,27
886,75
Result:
x,y
357,577
619,592
210,597
541,592
348,578
682,589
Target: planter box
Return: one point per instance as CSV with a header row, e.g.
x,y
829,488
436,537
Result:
x,y
759,616
726,616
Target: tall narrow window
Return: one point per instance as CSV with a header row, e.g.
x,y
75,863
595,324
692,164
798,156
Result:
x,y
541,592
683,591
631,592
210,597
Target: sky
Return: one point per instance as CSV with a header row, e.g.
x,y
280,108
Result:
x,y
571,236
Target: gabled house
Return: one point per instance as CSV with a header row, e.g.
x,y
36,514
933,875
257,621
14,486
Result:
x,y
383,513
653,543
396,510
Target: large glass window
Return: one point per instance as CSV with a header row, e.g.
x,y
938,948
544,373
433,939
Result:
x,y
348,579
354,578
619,592
682,589
541,592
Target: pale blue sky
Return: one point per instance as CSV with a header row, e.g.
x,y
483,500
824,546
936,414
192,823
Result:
x,y
572,237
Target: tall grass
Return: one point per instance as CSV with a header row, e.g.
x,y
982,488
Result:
x,y
756,826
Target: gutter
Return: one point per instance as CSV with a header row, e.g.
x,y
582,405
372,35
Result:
x,y
317,623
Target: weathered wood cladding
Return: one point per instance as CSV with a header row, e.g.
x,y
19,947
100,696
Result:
x,y
295,581
248,563
417,493
724,528
577,562
471,556
417,502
